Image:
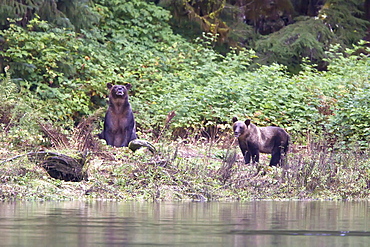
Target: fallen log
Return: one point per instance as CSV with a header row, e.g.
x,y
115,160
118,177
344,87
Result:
x,y
60,166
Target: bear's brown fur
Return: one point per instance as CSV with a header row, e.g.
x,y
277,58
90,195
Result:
x,y
253,140
119,122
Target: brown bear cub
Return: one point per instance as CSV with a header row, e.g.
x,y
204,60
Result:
x,y
119,122
254,140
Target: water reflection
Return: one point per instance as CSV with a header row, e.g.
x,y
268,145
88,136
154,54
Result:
x,y
262,223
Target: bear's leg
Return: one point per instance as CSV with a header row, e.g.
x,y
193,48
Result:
x,y
124,141
275,156
109,138
255,156
244,149
254,152
283,157
247,157
101,135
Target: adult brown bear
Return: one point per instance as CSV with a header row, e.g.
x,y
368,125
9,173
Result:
x,y
253,140
119,123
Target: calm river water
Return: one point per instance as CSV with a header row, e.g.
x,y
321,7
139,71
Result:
x,y
257,223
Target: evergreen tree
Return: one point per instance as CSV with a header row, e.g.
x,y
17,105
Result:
x,y
346,19
73,14
307,38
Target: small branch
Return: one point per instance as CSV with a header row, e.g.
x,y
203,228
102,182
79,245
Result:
x,y
29,154
15,157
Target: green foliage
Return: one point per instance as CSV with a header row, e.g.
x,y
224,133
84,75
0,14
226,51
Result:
x,y
16,9
209,89
79,12
68,71
18,119
308,38
60,75
351,119
205,88
135,21
72,14
64,73
284,32
44,62
343,19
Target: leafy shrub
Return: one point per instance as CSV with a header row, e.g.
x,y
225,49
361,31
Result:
x,y
64,74
134,21
350,120
67,71
18,119
44,63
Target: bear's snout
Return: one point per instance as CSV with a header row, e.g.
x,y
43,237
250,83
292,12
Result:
x,y
237,133
120,91
238,130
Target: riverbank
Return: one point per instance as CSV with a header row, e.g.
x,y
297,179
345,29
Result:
x,y
195,171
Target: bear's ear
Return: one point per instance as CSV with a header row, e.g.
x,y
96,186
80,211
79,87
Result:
x,y
247,122
109,85
235,119
128,86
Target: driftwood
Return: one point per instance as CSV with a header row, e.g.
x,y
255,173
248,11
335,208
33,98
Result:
x,y
60,166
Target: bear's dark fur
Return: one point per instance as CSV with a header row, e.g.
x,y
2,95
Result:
x,y
254,140
119,122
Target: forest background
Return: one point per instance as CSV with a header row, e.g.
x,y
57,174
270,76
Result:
x,y
301,65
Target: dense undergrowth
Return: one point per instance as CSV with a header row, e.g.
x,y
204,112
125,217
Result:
x,y
60,75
